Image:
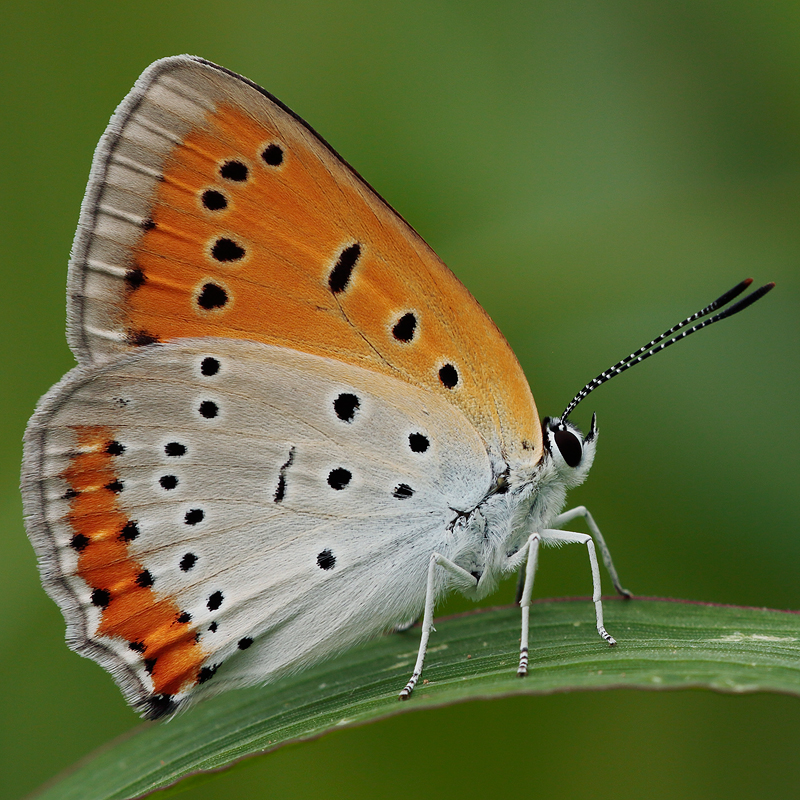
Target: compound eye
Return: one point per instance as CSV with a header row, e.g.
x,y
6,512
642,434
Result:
x,y
569,446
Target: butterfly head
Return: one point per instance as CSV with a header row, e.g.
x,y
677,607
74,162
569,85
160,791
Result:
x,y
571,452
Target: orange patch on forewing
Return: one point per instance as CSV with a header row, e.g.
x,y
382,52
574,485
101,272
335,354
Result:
x,y
293,221
133,613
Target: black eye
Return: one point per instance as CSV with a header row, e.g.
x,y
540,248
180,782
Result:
x,y
569,446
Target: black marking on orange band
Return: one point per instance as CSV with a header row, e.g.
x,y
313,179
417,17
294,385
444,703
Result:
x,y
130,530
134,278
212,296
101,598
141,338
405,328
157,706
214,200
272,155
234,171
207,673
448,375
340,275
226,250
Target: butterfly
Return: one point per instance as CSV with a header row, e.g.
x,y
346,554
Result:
x,y
291,427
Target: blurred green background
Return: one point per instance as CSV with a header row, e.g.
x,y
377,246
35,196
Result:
x,y
592,171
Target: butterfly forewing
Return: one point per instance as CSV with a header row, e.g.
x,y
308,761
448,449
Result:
x,y
214,211
193,502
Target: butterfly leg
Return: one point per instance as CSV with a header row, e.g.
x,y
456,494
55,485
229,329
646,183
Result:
x,y
563,519
436,560
569,537
582,511
530,551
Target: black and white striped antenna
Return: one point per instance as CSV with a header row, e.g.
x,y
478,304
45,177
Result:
x,y
660,342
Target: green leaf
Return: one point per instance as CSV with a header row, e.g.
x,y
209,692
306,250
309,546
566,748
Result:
x,y
662,645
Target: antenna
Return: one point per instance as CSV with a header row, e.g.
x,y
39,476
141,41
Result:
x,y
659,343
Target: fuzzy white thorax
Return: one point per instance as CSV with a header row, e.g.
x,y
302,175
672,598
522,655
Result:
x,y
485,539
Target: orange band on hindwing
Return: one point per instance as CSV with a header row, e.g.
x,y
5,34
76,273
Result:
x,y
130,608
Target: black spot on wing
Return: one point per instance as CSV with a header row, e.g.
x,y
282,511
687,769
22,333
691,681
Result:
x,y
208,409
226,250
134,278
188,561
280,491
194,516
157,706
212,296
402,491
326,560
339,478
340,275
345,406
418,442
144,579
168,482
405,328
214,200
141,338
207,673
130,530
272,155
101,598
79,542
234,171
448,375
209,366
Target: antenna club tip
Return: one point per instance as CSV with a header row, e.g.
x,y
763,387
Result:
x,y
746,282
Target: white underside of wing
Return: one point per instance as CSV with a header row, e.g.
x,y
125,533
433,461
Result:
x,y
318,515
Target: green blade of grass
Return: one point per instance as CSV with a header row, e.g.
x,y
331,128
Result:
x,y
662,645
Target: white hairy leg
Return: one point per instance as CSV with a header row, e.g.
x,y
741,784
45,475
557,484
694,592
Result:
x,y
427,619
582,511
569,537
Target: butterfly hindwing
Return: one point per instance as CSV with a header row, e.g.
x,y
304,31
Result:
x,y
192,503
212,210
